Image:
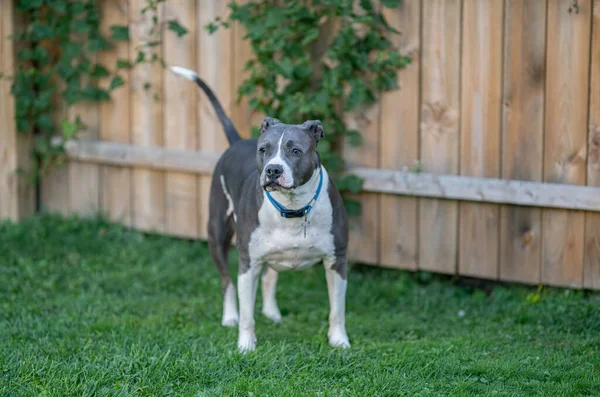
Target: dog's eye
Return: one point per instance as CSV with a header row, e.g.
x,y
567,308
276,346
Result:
x,y
262,150
296,151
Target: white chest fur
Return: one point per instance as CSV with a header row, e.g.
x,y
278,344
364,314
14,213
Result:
x,y
282,243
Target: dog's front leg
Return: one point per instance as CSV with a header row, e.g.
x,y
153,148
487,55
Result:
x,y
247,284
336,286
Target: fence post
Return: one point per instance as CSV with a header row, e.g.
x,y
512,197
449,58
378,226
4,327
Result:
x,y
17,199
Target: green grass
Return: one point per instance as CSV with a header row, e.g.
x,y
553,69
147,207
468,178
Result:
x,y
93,309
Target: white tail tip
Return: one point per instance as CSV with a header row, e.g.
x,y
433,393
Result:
x,y
187,73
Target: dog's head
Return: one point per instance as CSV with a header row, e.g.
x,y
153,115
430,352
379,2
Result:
x,y
286,154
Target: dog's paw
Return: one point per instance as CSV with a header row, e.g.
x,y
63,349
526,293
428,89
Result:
x,y
229,321
273,313
246,342
338,338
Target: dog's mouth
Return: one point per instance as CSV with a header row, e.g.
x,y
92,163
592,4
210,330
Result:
x,y
274,186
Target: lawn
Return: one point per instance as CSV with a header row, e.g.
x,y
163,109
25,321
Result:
x,y
88,308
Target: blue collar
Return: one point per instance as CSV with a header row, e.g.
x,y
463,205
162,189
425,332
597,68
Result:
x,y
300,212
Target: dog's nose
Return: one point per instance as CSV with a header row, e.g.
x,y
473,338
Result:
x,y
274,171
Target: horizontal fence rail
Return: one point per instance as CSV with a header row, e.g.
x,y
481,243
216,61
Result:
x,y
419,184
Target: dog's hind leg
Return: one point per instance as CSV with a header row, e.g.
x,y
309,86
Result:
x,y
221,227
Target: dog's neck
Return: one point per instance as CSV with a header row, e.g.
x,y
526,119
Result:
x,y
303,194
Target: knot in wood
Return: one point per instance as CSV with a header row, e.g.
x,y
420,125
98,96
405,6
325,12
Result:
x,y
438,119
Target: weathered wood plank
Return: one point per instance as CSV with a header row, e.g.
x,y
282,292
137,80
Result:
x,y
592,221
483,190
565,143
211,47
115,120
480,132
522,135
54,185
440,104
148,188
399,141
364,229
84,178
452,187
241,115
150,157
180,121
16,194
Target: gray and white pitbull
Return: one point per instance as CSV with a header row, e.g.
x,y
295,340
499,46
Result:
x,y
287,215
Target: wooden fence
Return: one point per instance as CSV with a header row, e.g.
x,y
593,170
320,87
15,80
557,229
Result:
x,y
500,107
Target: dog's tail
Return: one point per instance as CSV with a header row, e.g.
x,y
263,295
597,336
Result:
x,y
230,130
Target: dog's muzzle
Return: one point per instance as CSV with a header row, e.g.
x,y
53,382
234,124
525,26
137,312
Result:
x,y
273,178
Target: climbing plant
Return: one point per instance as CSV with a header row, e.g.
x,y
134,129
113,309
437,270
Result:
x,y
317,59
57,46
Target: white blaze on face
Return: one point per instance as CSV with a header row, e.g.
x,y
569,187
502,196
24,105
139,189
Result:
x,y
287,178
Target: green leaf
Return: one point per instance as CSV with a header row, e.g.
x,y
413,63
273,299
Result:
x,y
123,64
68,129
81,26
310,36
354,184
353,207
174,26
354,138
59,6
211,27
141,56
99,71
44,123
98,44
366,5
30,4
93,93
275,16
119,33
39,30
286,66
116,82
391,3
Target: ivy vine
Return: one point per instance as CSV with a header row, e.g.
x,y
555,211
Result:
x,y
291,77
56,62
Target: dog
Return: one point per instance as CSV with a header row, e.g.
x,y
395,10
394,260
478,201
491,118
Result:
x,y
286,213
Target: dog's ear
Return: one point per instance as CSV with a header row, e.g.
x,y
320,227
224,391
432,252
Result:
x,y
268,122
315,128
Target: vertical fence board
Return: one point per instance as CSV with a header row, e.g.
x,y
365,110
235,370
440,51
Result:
x,y
440,101
399,141
218,76
242,117
55,183
480,124
363,230
565,141
6,135
592,220
16,193
115,123
522,135
180,122
148,190
84,178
